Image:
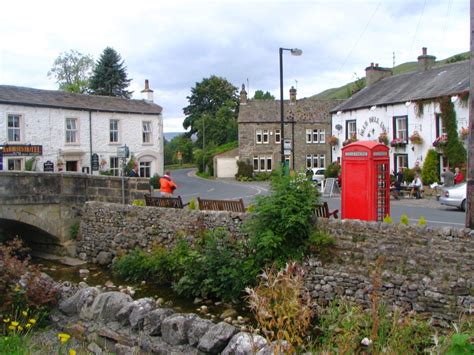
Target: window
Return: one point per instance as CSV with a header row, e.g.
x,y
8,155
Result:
x,y
277,136
114,131
309,161
400,161
308,136
71,130
262,163
400,128
351,129
322,136
72,165
322,160
14,164
440,128
315,135
145,169
114,166
258,136
315,161
265,136
14,128
147,132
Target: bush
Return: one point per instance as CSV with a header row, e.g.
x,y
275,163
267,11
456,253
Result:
x,y
333,170
138,203
74,230
263,176
155,181
320,242
192,204
404,219
244,169
387,219
430,173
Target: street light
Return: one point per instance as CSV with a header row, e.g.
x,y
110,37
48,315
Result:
x,y
297,52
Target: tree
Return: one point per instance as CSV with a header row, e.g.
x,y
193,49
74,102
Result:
x,y
212,111
109,77
72,71
429,172
454,149
181,144
260,95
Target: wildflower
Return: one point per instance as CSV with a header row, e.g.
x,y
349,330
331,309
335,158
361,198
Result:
x,y
15,324
366,341
72,352
25,313
28,325
63,337
17,288
11,327
6,320
32,321
20,328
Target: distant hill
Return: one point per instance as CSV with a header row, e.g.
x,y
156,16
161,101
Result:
x,y
345,91
170,135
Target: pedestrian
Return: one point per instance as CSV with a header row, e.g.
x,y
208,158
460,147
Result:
x,y
448,177
134,171
398,183
416,187
167,186
458,176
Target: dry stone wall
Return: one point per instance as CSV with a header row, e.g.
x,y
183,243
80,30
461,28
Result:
x,y
423,269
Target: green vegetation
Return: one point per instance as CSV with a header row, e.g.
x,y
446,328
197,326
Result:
x,y
388,219
180,146
333,170
260,95
204,159
422,221
429,172
74,230
29,163
404,219
155,181
244,171
454,149
192,204
138,203
72,71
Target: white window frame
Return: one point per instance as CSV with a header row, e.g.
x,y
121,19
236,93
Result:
x,y
309,161
114,131
262,163
114,169
71,133
322,160
147,135
21,161
322,136
351,132
258,136
401,133
145,168
277,136
265,136
309,135
315,135
14,129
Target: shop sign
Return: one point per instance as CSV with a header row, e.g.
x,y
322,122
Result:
x,y
22,150
48,166
95,162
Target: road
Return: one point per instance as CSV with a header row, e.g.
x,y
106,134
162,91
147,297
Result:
x,y
190,186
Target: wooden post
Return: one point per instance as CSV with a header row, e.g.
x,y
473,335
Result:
x,y
470,144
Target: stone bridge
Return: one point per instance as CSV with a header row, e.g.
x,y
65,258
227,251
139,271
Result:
x,y
49,204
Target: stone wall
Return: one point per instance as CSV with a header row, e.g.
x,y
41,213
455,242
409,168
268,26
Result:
x,y
424,269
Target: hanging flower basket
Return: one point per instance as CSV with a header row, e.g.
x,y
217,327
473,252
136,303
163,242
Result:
x,y
397,142
59,163
350,140
415,138
333,140
383,138
464,133
440,142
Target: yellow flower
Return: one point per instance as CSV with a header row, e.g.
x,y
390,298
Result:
x,y
63,337
72,352
20,328
17,289
32,321
28,325
25,313
11,327
6,320
15,324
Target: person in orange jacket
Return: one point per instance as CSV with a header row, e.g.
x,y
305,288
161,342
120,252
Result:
x,y
167,186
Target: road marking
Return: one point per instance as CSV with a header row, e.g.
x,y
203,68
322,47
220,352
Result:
x,y
438,222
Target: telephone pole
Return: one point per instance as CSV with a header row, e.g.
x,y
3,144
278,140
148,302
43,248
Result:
x,y
470,144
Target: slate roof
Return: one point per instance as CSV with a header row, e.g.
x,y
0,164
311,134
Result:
x,y
304,110
16,95
440,81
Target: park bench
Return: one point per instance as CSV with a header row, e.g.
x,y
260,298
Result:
x,y
221,205
322,210
169,202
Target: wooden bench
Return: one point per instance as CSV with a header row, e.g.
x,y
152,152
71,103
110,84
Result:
x,y
169,202
322,210
221,205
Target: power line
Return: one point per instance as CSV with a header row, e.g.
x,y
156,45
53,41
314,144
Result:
x,y
417,27
446,18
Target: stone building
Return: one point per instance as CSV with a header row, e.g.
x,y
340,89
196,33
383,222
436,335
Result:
x,y
74,132
405,109
307,125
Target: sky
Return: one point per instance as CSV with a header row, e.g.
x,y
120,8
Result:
x,y
175,44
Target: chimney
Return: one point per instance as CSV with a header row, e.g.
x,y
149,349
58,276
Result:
x,y
147,93
292,95
425,61
374,73
243,96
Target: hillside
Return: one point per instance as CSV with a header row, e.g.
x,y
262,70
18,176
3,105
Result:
x,y
345,91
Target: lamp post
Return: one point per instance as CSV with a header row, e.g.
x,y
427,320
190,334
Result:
x,y
297,52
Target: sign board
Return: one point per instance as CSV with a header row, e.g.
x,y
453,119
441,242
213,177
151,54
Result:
x,y
179,155
22,150
95,162
287,144
356,154
123,152
330,187
48,166
287,151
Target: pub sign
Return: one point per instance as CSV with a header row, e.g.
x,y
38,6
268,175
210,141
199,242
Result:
x,y
22,150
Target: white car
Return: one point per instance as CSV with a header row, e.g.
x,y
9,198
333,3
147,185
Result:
x,y
454,196
317,175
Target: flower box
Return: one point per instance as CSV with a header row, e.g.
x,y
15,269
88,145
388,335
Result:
x,y
333,140
415,138
440,142
464,133
350,140
398,142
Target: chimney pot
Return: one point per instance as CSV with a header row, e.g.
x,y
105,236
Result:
x,y
147,93
424,50
372,64
376,65
147,85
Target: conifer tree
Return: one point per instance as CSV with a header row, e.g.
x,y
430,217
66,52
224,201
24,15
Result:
x,y
109,77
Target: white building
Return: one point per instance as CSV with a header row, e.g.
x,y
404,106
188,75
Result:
x,y
401,105
78,132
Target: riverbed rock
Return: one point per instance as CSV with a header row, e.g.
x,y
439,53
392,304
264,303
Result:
x,y
174,329
216,338
84,273
107,305
84,297
154,319
230,312
244,344
104,258
140,309
197,329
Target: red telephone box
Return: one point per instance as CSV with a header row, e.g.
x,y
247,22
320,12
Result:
x,y
365,181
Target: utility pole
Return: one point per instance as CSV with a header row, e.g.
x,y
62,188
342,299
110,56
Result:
x,y
470,144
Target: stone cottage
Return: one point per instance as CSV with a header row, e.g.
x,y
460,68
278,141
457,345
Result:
x,y
307,125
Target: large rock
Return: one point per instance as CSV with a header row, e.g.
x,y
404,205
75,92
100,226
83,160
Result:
x,y
244,344
197,329
104,258
216,338
84,297
174,329
154,319
107,305
134,313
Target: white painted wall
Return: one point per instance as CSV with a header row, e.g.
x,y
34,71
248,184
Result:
x,y
226,167
46,127
425,125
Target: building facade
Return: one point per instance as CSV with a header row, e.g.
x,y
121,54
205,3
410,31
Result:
x,y
46,130
403,110
306,131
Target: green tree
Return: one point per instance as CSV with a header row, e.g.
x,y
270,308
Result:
x,y
260,95
454,149
72,71
109,77
212,111
181,144
429,172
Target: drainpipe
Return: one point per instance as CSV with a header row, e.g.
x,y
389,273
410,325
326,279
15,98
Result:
x,y
90,140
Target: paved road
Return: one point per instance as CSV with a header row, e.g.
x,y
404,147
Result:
x,y
190,186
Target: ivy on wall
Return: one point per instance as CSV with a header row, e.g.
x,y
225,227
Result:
x,y
454,149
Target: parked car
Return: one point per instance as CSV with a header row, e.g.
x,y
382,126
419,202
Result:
x,y
454,196
317,175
